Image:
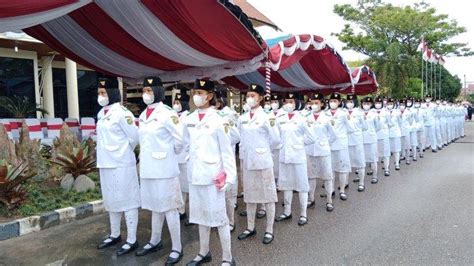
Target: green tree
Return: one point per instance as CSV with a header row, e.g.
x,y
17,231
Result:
x,y
389,35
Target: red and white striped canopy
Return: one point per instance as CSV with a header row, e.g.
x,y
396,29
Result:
x,y
178,40
365,82
301,62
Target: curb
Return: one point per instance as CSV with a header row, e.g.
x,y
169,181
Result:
x,y
46,220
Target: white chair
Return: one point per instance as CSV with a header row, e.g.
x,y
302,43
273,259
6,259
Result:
x,y
88,128
34,127
73,125
54,128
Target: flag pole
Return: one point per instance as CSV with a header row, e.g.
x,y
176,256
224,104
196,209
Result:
x,y
422,62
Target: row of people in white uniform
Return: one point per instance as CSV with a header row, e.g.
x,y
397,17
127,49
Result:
x,y
192,155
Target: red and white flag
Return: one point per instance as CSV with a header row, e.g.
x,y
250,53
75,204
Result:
x,y
427,54
422,46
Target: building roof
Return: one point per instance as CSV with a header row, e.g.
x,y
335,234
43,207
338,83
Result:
x,y
257,17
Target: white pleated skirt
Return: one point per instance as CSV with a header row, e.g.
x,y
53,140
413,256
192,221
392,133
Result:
x,y
320,167
383,147
357,156
259,186
395,144
120,188
207,206
161,195
183,177
371,153
341,162
293,177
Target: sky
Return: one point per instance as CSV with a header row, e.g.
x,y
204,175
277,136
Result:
x,y
317,17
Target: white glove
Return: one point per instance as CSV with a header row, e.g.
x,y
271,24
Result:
x,y
226,187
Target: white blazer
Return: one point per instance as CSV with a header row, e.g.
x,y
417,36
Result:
x,y
373,125
209,146
294,134
341,126
406,122
117,136
258,136
183,155
161,140
384,123
395,118
323,133
356,118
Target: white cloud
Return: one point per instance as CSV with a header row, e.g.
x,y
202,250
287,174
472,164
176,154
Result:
x,y
317,17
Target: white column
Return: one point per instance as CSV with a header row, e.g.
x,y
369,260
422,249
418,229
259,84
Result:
x,y
47,77
120,87
72,90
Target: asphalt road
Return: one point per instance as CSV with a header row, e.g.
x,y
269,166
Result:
x,y
422,215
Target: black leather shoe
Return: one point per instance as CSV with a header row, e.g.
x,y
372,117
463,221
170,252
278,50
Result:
x,y
114,240
329,207
343,196
267,238
283,217
361,188
232,228
203,259
387,173
261,214
123,251
435,151
302,221
374,181
397,168
231,263
370,173
183,216
356,180
243,213
145,251
246,234
172,261
311,204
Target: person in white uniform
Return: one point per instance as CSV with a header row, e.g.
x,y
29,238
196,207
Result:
x,y
420,128
294,134
181,106
356,140
414,128
319,153
117,137
341,163
211,171
258,135
370,137
429,121
383,136
405,129
275,105
395,132
161,140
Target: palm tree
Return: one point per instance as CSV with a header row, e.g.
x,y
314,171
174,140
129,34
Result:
x,y
20,107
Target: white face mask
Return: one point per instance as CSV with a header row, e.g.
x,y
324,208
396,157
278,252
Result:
x,y
251,102
438,102
402,107
349,105
103,101
275,106
428,100
385,102
366,106
417,105
444,103
177,107
390,107
333,105
289,107
246,107
267,107
409,104
378,105
315,107
199,100
148,99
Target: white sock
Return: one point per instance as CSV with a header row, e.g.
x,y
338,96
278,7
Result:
x,y
374,168
386,163
287,199
397,158
312,189
204,234
251,210
342,181
413,148
270,216
157,220
131,218
303,196
115,220
182,209
262,207
361,175
328,186
230,206
172,219
224,237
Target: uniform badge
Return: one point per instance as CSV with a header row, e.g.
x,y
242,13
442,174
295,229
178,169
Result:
x,y
175,119
150,81
333,122
272,122
102,82
129,120
202,82
226,128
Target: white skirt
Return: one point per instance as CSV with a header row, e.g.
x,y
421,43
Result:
x,y
120,188
413,138
183,177
293,177
357,156
341,163
406,144
320,167
161,195
207,206
259,186
395,144
371,153
383,147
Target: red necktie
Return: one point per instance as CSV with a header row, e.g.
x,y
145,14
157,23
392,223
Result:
x,y
201,116
105,111
316,116
350,112
333,112
251,115
290,116
149,111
